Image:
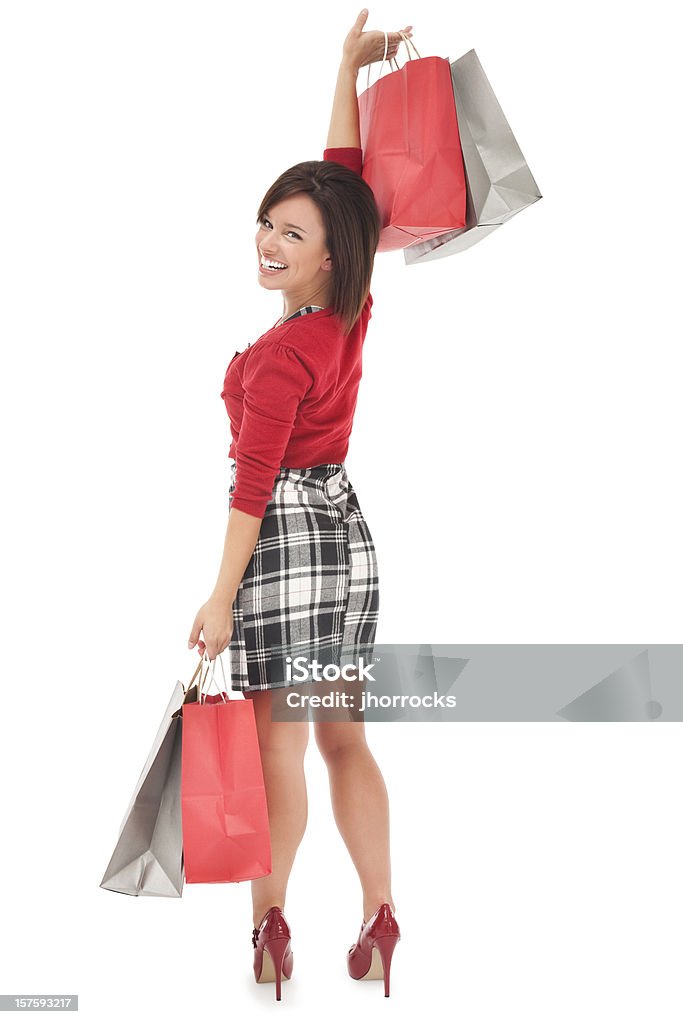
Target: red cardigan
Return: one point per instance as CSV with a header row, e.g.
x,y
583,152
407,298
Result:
x,y
291,395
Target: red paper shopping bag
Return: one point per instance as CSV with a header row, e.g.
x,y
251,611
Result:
x,y
412,158
226,836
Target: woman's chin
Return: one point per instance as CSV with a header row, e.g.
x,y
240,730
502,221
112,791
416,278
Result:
x,y
271,285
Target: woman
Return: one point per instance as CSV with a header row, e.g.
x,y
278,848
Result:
x,y
299,571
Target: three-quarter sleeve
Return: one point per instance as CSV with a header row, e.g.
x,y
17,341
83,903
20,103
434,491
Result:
x,y
275,382
350,156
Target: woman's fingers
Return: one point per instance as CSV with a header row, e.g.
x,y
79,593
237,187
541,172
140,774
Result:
x,y
195,631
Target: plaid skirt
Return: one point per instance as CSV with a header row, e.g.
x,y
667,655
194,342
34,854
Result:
x,y
311,587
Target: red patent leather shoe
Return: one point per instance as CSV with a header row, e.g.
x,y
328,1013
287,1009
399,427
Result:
x,y
272,942
370,958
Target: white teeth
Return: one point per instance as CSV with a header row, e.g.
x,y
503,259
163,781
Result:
x,y
273,265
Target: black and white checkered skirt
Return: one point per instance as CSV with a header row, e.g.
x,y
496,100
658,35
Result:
x,y
311,587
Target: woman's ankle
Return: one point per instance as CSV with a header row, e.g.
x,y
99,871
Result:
x,y
372,906
258,914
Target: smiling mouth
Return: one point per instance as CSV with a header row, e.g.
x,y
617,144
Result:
x,y
268,269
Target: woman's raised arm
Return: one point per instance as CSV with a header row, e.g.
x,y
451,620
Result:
x,y
344,124
360,48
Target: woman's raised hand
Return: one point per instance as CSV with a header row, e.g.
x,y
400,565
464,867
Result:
x,y
361,48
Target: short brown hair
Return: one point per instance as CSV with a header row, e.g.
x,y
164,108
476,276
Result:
x,y
352,226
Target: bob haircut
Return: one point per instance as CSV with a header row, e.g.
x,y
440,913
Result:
x,y
352,226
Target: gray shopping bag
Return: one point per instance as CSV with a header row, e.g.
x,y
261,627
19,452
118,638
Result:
x,y
148,857
499,182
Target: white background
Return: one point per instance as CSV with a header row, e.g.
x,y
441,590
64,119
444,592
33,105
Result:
x,y
516,452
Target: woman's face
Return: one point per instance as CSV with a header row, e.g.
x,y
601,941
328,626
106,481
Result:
x,y
292,233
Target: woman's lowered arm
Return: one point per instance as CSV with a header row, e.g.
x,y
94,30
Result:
x,y
360,48
214,618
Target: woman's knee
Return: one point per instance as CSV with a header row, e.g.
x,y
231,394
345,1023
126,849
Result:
x,y
334,738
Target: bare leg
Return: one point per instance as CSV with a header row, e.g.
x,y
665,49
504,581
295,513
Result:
x,y
361,807
283,745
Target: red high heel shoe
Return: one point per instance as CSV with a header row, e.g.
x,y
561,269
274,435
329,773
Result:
x,y
370,958
272,942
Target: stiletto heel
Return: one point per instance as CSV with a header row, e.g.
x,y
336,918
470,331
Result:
x,y
276,950
370,958
273,957
386,944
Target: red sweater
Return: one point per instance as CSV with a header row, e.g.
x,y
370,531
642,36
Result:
x,y
291,395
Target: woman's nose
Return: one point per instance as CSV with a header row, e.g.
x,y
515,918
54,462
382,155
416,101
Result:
x,y
268,243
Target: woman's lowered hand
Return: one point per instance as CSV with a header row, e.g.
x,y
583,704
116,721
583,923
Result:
x,y
214,621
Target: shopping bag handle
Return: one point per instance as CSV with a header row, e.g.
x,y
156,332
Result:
x,y
406,40
187,688
212,664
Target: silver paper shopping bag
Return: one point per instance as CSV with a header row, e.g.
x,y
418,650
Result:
x,y
148,857
499,182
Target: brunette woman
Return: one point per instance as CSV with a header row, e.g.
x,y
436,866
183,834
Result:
x,y
299,570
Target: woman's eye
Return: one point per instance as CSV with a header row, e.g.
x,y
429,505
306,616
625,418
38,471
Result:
x,y
265,222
